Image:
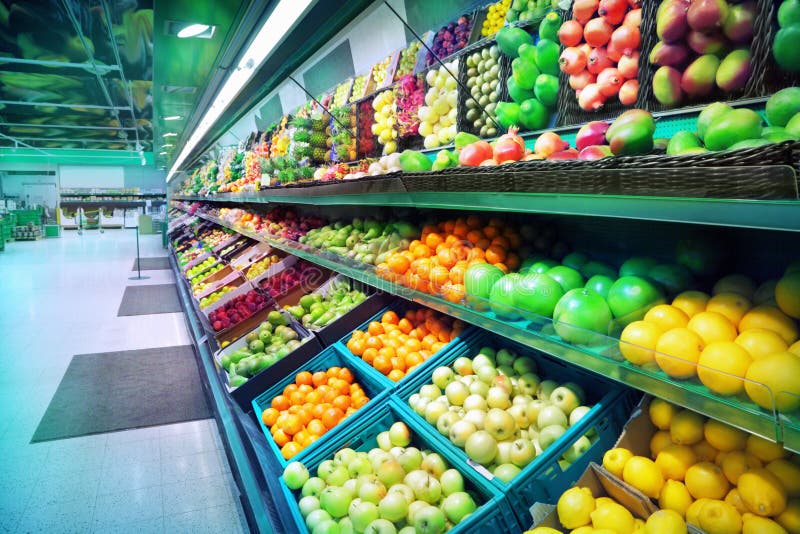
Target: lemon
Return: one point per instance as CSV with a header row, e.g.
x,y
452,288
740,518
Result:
x,y
705,479
675,496
789,475
719,517
638,525
586,529
674,460
614,517
575,506
677,352
795,348
735,283
712,326
637,341
659,441
754,524
770,318
543,530
691,302
643,474
760,342
661,413
667,317
686,428
722,366
736,463
790,517
603,501
731,305
762,492
693,512
735,499
775,376
665,522
705,452
614,460
763,449
724,437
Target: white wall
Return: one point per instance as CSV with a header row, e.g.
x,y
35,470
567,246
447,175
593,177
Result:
x,y
91,176
33,189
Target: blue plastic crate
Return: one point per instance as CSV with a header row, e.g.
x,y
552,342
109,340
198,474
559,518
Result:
x,y
330,357
400,307
543,480
493,514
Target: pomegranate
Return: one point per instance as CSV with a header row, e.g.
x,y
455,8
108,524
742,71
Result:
x,y
581,80
591,99
598,60
610,81
572,60
549,143
571,33
627,39
613,11
583,10
629,92
633,18
509,147
629,66
597,32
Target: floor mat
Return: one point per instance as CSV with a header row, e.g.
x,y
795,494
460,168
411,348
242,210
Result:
x,y
113,391
152,264
149,299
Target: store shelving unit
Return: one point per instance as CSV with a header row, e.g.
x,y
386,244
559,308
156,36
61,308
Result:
x,y
749,418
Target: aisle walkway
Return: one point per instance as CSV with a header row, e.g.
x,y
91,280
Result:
x,y
59,298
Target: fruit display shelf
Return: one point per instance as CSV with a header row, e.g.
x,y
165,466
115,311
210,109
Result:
x,y
326,359
493,513
771,425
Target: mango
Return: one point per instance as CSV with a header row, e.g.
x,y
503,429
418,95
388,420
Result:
x,y
735,70
777,134
750,143
783,105
738,27
632,116
507,114
698,78
632,139
546,89
547,53
789,13
548,28
413,161
671,20
509,40
734,126
793,126
524,73
704,43
667,86
533,114
711,113
528,52
669,55
682,141
517,93
785,48
707,15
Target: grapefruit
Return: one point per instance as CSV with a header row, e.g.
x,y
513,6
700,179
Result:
x,y
667,317
770,318
678,351
731,305
712,326
759,342
691,302
778,372
721,367
638,340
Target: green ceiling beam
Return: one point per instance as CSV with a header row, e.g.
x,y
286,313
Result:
x,y
65,156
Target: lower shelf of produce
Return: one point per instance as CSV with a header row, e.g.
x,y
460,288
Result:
x,y
603,360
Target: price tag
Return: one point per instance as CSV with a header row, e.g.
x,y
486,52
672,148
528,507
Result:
x,y
480,469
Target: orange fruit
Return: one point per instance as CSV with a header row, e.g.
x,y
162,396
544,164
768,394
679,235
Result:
x,y
422,251
731,305
346,375
722,367
375,328
319,378
396,375
369,355
316,427
405,325
269,416
432,240
473,236
398,263
495,254
390,317
331,417
293,425
759,342
455,293
678,351
382,364
439,276
280,403
667,317
712,326
735,283
303,378
290,450
638,340
373,342
280,438
770,318
447,258
691,302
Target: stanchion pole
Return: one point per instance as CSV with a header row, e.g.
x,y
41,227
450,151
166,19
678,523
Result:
x,y
138,260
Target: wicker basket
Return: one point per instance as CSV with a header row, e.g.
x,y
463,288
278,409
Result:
x,y
462,123
774,79
760,50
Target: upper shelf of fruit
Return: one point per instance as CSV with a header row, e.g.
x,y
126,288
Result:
x,y
593,50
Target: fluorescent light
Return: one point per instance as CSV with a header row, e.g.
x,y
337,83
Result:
x,y
280,22
170,134
162,153
192,30
167,146
173,118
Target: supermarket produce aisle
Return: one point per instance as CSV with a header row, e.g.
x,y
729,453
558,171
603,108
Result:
x,y
59,298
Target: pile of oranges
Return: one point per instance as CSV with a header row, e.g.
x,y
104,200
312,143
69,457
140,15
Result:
x,y
312,405
437,262
396,346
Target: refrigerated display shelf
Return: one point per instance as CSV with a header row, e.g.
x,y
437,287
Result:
x,y
757,214
746,417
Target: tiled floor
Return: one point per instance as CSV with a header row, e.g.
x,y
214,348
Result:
x,y
59,297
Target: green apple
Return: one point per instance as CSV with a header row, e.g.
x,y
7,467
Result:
x,y
567,277
506,472
372,491
551,415
434,464
463,366
630,297
580,314
524,364
537,295
546,388
404,490
501,298
295,475
316,517
335,501
446,422
522,452
430,520
577,449
519,412
565,399
600,283
384,442
575,260
456,392
460,431
434,410
527,384
481,447
410,459
476,417
393,507
505,357
577,414
637,266
549,434
442,376
594,268
362,513
338,476
307,505
451,481
457,506
313,486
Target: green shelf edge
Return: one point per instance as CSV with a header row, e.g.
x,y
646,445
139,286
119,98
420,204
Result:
x,y
782,215
766,426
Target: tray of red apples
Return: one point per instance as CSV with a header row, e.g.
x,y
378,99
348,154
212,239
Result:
x,y
237,310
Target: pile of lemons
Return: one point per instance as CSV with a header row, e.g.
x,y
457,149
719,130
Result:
x,y
495,18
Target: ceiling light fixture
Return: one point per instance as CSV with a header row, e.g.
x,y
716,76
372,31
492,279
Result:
x,y
162,153
167,146
170,134
280,22
173,118
192,30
